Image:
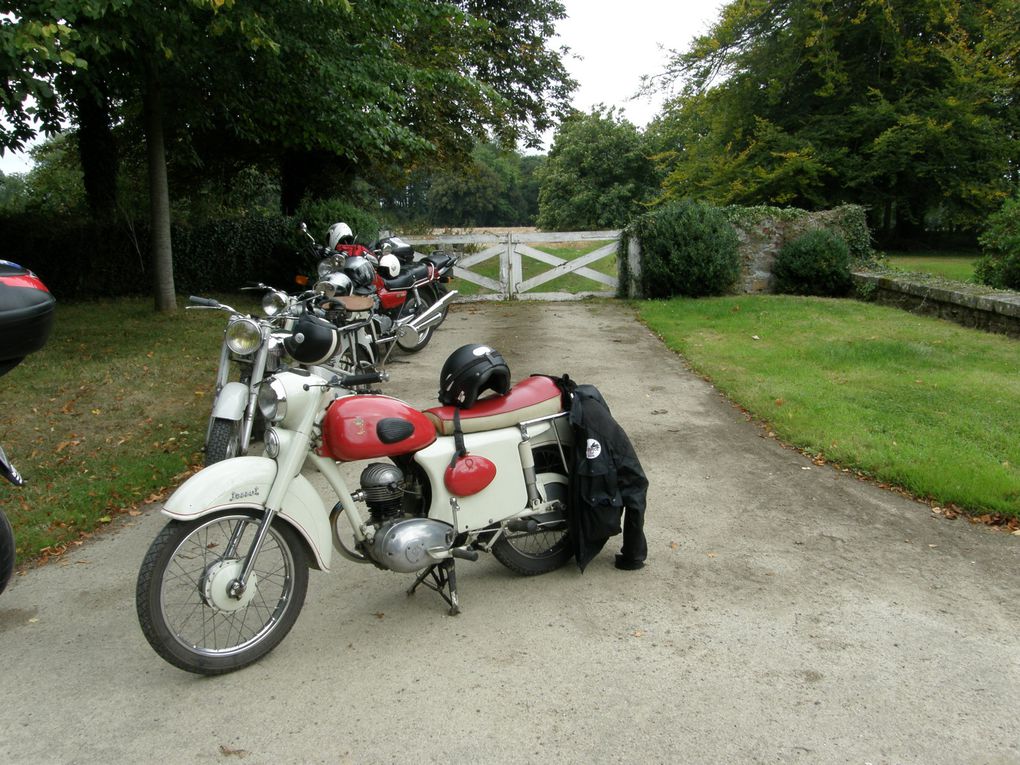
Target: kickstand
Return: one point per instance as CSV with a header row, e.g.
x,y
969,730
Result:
x,y
444,580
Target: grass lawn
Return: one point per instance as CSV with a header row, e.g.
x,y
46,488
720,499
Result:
x,y
107,414
917,402
957,266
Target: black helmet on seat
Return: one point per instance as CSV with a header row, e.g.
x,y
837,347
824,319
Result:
x,y
314,340
470,370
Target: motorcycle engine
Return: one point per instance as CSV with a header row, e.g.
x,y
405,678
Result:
x,y
383,487
401,543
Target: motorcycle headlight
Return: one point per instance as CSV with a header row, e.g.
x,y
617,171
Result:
x,y
330,264
243,336
273,400
274,302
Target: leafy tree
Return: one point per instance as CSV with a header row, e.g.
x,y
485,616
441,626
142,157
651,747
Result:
x,y
907,107
319,89
597,174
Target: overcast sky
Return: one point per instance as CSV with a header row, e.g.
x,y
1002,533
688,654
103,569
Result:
x,y
621,41
617,43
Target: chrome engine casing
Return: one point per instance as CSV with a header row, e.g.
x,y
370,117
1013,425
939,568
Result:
x,y
404,545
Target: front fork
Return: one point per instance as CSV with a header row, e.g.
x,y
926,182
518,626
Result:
x,y
288,465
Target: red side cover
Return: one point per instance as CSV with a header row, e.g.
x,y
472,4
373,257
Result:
x,y
469,475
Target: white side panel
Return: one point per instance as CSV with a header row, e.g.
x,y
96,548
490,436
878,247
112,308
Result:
x,y
244,482
506,496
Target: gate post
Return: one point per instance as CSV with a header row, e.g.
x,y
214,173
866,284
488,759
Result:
x,y
516,268
633,286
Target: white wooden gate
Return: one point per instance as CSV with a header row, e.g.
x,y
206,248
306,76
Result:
x,y
512,248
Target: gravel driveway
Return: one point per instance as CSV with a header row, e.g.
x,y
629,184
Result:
x,y
789,613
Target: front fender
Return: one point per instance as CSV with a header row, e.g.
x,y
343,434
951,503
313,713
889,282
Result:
x,y
244,482
231,401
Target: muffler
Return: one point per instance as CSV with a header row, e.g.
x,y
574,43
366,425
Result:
x,y
409,335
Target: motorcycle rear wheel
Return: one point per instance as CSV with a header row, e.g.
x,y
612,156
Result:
x,y
539,552
408,309
184,609
224,441
7,552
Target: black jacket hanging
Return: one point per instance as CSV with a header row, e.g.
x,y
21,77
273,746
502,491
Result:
x,y
607,479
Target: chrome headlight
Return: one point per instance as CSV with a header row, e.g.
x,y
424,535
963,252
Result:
x,y
273,400
243,336
274,302
329,265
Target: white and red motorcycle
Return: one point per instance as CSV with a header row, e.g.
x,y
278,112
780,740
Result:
x,y
224,581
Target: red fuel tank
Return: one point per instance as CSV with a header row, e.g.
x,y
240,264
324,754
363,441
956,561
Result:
x,y
368,427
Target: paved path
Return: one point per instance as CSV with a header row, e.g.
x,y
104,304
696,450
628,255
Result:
x,y
789,614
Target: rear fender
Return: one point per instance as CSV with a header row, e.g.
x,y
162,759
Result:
x,y
231,401
244,482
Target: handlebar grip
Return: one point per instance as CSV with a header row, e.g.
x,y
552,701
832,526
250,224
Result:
x,y
364,378
203,301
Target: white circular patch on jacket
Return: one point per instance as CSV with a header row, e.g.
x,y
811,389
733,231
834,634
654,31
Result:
x,y
594,449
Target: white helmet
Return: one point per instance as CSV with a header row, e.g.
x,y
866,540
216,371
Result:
x,y
389,265
339,233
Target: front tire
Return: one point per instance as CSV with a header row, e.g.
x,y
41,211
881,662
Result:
x,y
7,552
224,441
542,551
185,610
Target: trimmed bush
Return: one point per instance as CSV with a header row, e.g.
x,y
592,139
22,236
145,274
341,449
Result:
x,y
687,248
815,263
1000,265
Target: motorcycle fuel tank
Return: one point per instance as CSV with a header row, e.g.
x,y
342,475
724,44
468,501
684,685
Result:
x,y
369,426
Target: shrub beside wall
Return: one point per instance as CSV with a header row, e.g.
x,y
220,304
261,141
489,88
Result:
x,y
687,248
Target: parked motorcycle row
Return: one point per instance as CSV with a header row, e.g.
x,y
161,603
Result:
x,y
484,471
364,304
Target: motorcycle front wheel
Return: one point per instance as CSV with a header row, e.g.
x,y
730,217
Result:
x,y
542,551
184,606
224,441
6,552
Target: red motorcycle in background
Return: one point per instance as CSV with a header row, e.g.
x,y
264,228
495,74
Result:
x,y
406,288
26,318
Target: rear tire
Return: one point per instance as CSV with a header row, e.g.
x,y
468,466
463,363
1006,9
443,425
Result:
x,y
184,609
540,552
224,441
7,551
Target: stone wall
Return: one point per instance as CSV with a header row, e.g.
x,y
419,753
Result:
x,y
762,235
969,305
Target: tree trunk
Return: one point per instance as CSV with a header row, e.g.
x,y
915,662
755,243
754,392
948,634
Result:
x,y
159,199
97,150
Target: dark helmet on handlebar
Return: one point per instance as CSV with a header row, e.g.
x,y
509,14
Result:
x,y
314,340
360,271
469,371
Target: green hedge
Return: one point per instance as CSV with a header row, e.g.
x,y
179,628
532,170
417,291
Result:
x,y
687,248
78,259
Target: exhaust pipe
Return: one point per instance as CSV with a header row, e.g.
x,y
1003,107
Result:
x,y
410,334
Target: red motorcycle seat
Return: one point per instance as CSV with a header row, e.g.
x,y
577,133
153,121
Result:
x,y
529,399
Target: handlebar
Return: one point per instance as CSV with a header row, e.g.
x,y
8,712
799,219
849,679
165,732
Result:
x,y
364,378
207,302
